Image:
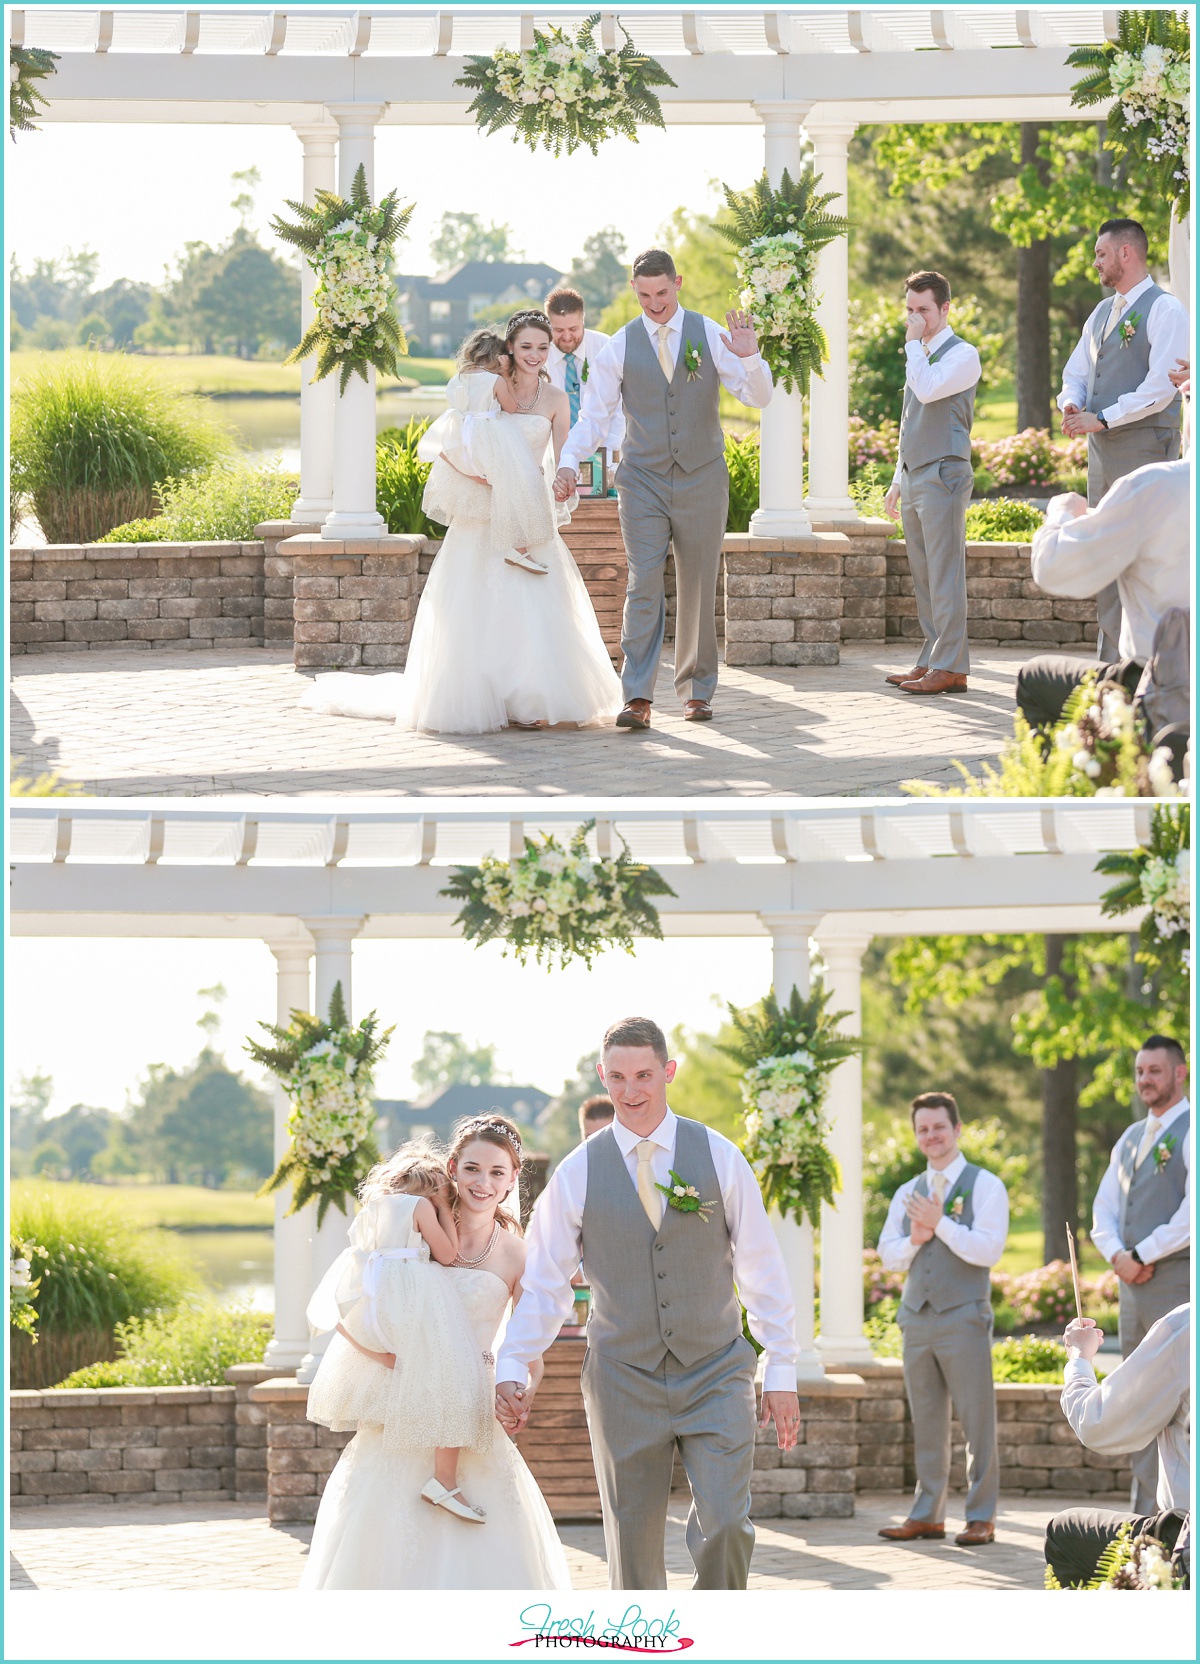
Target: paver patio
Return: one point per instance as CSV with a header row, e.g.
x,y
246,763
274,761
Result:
x,y
172,723
229,1546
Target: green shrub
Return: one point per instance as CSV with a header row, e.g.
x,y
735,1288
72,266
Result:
x,y
1002,520
1028,1358
192,1346
868,490
92,436
400,477
223,505
742,458
882,1330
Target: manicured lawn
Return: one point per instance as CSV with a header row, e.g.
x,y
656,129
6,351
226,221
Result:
x,y
1024,1250
176,1206
996,412
215,375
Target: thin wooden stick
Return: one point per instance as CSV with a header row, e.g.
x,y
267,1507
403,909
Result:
x,y
1074,1272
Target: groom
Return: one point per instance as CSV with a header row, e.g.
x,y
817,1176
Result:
x,y
667,369
666,1365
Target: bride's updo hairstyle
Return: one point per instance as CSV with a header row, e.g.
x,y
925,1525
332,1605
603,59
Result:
x,y
481,347
530,319
496,1129
414,1170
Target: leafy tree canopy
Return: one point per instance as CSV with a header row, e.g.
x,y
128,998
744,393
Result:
x,y
463,237
448,1060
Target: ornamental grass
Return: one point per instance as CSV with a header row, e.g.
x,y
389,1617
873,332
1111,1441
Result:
x,y
191,1346
400,478
93,436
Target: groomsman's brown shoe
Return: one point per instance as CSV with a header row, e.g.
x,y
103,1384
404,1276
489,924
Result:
x,y
976,1533
936,681
912,1530
635,715
697,710
902,676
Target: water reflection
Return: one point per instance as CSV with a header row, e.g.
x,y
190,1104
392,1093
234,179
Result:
x,y
271,427
234,1265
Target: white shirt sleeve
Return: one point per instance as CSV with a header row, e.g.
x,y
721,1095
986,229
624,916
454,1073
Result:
x,y
1076,372
599,404
981,1242
758,1267
1169,336
748,379
1130,1407
1078,556
1106,1209
1176,1232
896,1247
953,373
552,1259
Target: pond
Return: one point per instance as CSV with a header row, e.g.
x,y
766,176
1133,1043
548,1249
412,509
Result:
x,y
234,1265
267,428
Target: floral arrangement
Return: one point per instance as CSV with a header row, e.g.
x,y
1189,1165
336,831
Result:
x,y
559,902
684,1197
1128,328
1159,878
1129,1562
27,65
563,93
788,1053
327,1070
1032,458
1147,72
23,1286
778,235
349,245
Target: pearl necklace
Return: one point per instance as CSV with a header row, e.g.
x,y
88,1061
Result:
x,y
527,408
470,1265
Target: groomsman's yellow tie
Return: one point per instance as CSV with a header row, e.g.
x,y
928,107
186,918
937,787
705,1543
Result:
x,y
1153,1128
651,1199
1119,304
939,1187
664,352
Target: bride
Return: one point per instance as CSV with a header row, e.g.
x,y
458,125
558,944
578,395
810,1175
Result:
x,y
495,645
373,1529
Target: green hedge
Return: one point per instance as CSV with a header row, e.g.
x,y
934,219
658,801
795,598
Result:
x,y
221,506
192,1346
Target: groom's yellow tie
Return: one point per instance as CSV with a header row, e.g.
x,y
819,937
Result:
x,y
664,352
651,1198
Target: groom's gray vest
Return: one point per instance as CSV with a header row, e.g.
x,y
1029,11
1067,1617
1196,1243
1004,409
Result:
x,y
1118,366
655,1292
928,432
1151,1194
937,1277
674,421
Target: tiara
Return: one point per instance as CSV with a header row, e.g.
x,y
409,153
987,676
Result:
x,y
483,1124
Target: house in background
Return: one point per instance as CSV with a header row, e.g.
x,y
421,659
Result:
x,y
437,312
435,1115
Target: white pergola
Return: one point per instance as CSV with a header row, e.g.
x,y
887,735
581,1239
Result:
x,y
336,75
310,884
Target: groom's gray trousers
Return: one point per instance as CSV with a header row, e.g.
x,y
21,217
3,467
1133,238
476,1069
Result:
x,y
658,511
637,1418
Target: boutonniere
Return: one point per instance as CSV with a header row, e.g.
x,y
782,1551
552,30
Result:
x,y
583,374
954,1207
1164,1150
685,1197
692,360
1128,327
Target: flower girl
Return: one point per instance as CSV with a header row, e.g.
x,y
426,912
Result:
x,y
403,1357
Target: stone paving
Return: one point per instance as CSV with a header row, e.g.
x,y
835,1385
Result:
x,y
174,723
229,1546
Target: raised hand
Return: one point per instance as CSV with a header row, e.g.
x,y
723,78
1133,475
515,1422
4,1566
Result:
x,y
741,340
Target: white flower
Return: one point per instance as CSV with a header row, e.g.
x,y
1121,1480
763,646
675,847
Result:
x,y
678,1190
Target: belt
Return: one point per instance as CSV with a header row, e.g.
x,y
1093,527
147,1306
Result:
x,y
370,1284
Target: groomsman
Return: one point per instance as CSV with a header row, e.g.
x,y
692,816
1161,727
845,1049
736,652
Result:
x,y
1141,1219
933,482
947,1228
574,349
1117,385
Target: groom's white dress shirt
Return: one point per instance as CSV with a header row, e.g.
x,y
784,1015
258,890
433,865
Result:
x,y
587,352
981,1243
956,372
1169,1237
748,379
555,1249
1169,335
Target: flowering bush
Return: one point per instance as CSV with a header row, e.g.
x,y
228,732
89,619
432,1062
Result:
x,y
558,904
348,245
778,235
870,445
1158,878
327,1070
879,1284
788,1053
1147,72
23,1286
1032,458
563,93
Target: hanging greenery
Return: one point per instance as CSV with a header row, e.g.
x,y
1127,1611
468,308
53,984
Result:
x,y
1129,1562
1147,73
327,1070
559,902
788,1053
27,65
562,93
1157,877
348,245
778,235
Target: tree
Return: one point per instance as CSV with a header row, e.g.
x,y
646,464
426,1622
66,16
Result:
x,y
600,272
248,296
447,1060
28,1100
73,1142
58,288
558,1124
463,237
708,1085
124,305
1035,393
205,1124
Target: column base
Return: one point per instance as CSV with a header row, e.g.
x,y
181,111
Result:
x,y
832,508
809,1367
348,525
780,522
835,1352
306,1369
311,511
285,1355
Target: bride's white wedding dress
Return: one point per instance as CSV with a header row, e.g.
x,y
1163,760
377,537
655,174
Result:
x,y
373,1531
492,643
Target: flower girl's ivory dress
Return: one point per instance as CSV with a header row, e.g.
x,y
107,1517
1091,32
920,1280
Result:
x,y
491,644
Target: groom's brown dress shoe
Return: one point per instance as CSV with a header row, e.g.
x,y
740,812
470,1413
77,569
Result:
x,y
912,1530
697,710
936,681
977,1532
902,676
635,715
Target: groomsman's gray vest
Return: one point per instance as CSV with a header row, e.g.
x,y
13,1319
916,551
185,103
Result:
x,y
1150,1194
655,1292
1118,366
928,432
937,1277
674,421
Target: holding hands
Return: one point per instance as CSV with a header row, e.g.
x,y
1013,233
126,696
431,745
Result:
x,y
514,1402
565,482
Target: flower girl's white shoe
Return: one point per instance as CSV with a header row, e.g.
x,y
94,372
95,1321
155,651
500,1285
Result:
x,y
526,563
452,1502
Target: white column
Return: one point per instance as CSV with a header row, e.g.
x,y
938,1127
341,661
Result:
x,y
781,511
334,939
841,1340
293,1235
829,393
354,514
317,398
790,969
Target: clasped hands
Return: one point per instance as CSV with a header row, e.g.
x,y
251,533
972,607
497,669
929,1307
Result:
x,y
924,1214
1130,1270
1076,422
